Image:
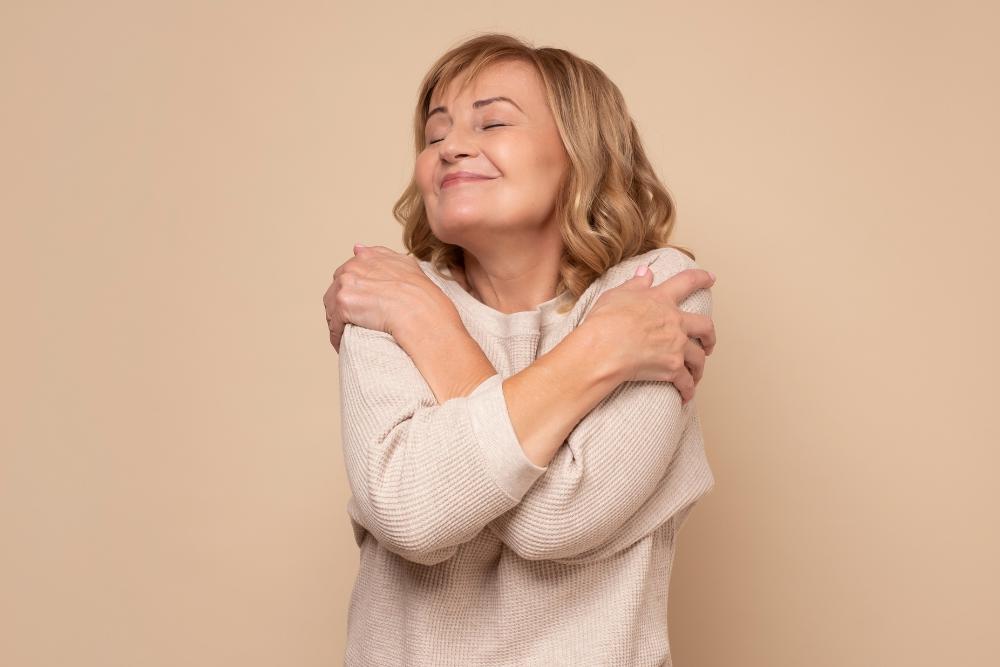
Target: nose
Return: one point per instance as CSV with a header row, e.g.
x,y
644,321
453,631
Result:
x,y
458,143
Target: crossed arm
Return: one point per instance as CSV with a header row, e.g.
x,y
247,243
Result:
x,y
430,469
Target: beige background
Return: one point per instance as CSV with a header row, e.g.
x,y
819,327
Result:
x,y
180,180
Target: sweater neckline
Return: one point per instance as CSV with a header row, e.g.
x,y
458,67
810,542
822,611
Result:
x,y
542,316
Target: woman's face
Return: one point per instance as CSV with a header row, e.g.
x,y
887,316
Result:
x,y
515,145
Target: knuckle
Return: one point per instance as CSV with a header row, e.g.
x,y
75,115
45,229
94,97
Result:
x,y
675,361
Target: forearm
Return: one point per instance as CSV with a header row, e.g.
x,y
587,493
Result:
x,y
545,401
425,477
448,358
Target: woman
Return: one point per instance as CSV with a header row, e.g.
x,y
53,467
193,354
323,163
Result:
x,y
517,425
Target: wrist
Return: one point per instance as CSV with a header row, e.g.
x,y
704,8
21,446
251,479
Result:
x,y
449,359
608,359
420,324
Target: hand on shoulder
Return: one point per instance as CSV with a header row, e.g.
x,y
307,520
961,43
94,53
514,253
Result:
x,y
658,323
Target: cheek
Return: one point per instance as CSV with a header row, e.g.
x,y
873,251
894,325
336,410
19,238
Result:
x,y
553,159
424,174
538,176
530,163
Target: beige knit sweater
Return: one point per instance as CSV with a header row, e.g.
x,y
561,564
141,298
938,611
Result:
x,y
470,554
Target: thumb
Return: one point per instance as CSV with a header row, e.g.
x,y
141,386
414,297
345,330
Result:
x,y
642,275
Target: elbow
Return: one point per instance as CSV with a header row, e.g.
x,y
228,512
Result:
x,y
400,534
404,544
413,545
541,545
398,524
425,556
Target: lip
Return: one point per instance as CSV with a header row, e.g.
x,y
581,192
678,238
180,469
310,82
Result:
x,y
463,177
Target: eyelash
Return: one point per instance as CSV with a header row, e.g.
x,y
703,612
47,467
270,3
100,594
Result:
x,y
486,127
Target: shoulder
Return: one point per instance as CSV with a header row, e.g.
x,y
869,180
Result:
x,y
369,349
377,378
445,282
357,336
664,263
373,363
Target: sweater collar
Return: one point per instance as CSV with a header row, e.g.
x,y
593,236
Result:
x,y
544,314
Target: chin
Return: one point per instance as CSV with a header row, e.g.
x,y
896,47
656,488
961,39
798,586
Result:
x,y
460,218
456,229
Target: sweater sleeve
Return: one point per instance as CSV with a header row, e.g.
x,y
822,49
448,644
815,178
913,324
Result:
x,y
631,464
425,477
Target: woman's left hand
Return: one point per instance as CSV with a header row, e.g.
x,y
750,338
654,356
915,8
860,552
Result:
x,y
383,290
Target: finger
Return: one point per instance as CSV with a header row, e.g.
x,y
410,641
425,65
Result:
x,y
685,385
644,279
379,249
330,299
681,285
343,267
337,314
354,267
694,360
327,295
701,327
336,327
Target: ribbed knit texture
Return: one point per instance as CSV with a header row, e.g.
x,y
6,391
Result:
x,y
470,554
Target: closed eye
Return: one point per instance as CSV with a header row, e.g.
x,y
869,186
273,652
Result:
x,y
485,127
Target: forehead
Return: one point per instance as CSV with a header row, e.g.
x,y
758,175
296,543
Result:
x,y
513,78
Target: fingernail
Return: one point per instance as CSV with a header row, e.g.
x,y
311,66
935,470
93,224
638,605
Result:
x,y
712,275
641,271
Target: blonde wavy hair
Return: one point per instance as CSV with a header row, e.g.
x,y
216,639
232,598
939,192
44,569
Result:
x,y
611,206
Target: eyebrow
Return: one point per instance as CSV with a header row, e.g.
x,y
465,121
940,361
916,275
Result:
x,y
477,104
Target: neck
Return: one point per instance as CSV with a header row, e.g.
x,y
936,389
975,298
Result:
x,y
511,283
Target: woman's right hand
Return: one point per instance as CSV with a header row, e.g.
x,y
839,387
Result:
x,y
651,335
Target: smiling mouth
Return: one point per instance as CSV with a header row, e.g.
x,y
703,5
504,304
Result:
x,y
464,179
